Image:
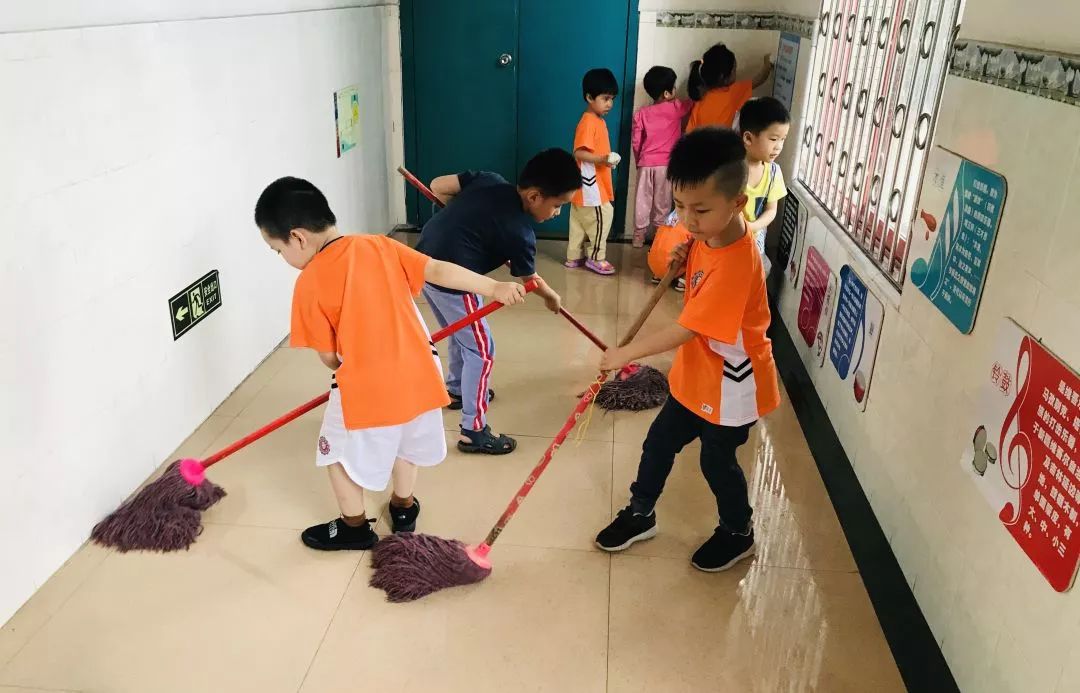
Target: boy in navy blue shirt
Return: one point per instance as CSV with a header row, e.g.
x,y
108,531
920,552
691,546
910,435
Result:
x,y
486,224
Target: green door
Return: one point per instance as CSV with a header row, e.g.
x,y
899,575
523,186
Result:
x,y
460,93
559,41
489,83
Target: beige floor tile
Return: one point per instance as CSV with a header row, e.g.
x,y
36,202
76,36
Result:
x,y
301,378
538,400
539,623
463,497
793,530
243,610
20,689
751,629
48,600
248,390
274,482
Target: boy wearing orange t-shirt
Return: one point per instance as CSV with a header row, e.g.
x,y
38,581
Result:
x,y
591,210
353,304
723,96
723,378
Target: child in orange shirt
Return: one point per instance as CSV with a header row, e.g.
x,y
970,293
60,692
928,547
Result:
x,y
353,304
723,378
669,235
591,210
723,96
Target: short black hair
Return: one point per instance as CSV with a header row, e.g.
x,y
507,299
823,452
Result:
x,y
292,203
599,81
658,80
757,115
554,172
717,66
709,153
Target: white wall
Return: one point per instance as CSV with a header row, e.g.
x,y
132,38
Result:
x,y
134,150
677,47
1000,625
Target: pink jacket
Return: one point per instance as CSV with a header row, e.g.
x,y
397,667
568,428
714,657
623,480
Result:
x,y
656,130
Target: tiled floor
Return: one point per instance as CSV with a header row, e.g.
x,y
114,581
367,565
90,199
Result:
x,y
250,609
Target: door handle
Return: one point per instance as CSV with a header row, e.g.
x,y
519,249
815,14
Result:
x,y
505,59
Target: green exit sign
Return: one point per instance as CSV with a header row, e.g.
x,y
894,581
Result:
x,y
191,306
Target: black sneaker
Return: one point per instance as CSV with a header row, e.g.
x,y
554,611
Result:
x,y
627,529
403,519
456,403
723,550
335,535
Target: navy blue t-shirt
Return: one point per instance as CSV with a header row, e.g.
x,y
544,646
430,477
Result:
x,y
482,228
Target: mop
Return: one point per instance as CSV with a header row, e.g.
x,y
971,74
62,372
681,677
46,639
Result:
x,y
409,566
165,514
636,387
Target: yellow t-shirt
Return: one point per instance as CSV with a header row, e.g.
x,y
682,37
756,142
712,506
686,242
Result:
x,y
769,189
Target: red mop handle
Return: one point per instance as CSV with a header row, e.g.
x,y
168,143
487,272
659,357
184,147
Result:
x,y
534,475
416,183
322,399
584,330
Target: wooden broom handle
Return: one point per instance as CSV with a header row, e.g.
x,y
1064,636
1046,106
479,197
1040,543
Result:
x,y
658,293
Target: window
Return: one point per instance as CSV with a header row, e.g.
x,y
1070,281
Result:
x,y
875,84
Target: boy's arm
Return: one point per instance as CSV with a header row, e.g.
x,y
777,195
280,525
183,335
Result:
x,y
671,337
551,299
445,187
583,154
452,276
764,220
763,74
330,360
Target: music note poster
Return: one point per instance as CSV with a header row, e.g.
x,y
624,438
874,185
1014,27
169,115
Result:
x,y
1023,452
856,333
816,303
954,233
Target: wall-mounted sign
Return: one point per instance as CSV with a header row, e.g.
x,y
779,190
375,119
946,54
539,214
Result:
x,y
347,118
787,63
816,304
189,307
954,234
856,332
1023,451
792,232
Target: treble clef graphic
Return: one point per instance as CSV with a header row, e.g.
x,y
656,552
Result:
x,y
1016,458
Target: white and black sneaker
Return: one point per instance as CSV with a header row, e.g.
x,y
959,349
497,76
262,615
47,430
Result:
x,y
336,535
723,550
627,529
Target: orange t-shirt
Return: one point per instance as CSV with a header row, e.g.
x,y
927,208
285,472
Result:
x,y
726,373
719,107
592,136
667,237
355,298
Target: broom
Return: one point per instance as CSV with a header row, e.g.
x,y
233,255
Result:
x,y
636,387
409,566
165,514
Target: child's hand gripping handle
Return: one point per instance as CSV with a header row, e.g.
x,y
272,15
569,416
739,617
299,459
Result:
x,y
194,471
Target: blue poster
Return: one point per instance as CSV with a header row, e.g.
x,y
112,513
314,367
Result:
x,y
787,62
954,235
855,335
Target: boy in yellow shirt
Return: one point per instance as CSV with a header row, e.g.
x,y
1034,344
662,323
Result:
x,y
764,125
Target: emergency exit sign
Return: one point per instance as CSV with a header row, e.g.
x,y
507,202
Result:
x,y
191,306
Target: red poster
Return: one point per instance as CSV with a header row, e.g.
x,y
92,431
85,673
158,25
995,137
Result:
x,y
816,278
1024,456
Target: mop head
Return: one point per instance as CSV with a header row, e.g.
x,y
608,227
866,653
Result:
x,y
636,388
165,515
411,566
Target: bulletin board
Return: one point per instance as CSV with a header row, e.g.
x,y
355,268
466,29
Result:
x,y
1022,451
347,118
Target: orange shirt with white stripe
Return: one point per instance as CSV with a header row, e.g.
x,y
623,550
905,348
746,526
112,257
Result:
x,y
726,374
592,136
355,298
719,106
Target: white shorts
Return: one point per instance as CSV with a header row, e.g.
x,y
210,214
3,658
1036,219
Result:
x,y
367,454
